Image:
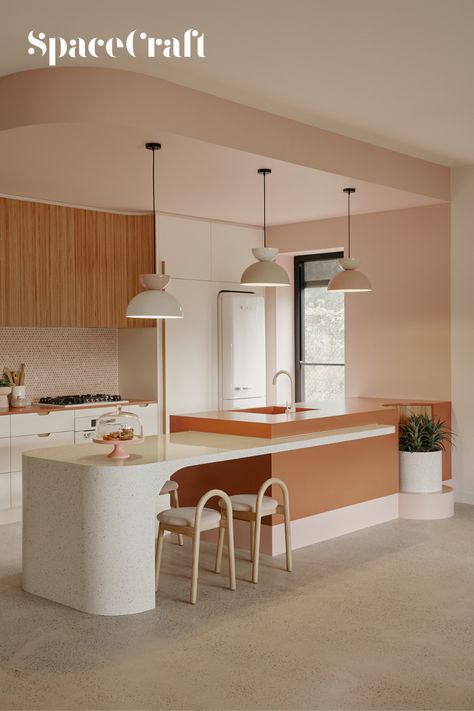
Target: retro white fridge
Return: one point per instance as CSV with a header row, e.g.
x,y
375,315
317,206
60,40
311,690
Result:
x,y
241,350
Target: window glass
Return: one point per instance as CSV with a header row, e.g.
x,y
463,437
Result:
x,y
320,330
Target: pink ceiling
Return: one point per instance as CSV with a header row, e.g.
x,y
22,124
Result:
x,y
108,167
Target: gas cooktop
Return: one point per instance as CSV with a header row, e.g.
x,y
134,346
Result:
x,y
81,400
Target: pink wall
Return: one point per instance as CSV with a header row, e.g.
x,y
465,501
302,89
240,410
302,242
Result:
x,y
398,335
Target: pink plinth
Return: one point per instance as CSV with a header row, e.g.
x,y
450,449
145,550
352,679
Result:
x,y
427,507
118,451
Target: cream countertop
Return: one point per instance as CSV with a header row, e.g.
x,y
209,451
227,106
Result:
x,y
34,408
182,448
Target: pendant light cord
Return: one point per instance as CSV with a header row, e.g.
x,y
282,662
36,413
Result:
x,y
349,224
264,210
152,146
264,172
154,212
349,192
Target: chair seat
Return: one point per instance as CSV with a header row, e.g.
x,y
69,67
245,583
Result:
x,y
248,502
168,487
184,516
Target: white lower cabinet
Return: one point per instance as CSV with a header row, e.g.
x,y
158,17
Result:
x,y
5,487
37,441
22,432
40,422
5,499
19,433
4,455
148,415
15,483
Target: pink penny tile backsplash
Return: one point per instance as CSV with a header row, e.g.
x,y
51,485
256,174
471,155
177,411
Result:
x,y
62,361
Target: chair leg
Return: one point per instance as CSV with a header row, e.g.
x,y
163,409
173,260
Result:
x,y
231,553
194,578
158,554
252,538
220,544
175,500
289,558
256,549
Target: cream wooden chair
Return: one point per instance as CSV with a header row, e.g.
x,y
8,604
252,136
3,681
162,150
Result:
x,y
191,521
171,487
251,508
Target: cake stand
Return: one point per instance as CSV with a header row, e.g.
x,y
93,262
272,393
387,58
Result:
x,y
118,451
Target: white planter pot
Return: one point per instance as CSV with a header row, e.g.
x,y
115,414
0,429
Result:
x,y
421,472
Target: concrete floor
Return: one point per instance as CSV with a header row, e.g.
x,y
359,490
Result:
x,y
380,619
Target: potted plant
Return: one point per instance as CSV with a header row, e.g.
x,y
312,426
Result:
x,y
422,441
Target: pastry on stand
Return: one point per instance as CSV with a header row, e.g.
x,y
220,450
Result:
x,y
118,428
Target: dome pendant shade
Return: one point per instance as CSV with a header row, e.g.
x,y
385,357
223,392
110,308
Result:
x,y
265,272
154,302
349,279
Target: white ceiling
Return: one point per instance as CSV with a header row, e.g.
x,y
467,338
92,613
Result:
x,y
397,73
108,167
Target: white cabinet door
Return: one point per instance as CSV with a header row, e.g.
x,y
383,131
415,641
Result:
x,y
185,246
4,454
231,250
4,491
42,422
85,418
5,425
16,487
23,444
148,414
191,349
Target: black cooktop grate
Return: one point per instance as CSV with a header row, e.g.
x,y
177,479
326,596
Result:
x,y
79,399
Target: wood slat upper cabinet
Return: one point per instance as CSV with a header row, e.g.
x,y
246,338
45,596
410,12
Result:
x,y
111,251
36,264
63,266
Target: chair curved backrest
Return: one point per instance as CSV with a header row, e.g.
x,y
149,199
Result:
x,y
273,481
203,501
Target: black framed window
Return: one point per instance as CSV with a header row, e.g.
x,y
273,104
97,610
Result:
x,y
319,320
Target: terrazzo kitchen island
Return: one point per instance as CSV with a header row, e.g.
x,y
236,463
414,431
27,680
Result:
x,y
89,521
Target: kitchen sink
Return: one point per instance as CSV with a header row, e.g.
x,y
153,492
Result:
x,y
274,410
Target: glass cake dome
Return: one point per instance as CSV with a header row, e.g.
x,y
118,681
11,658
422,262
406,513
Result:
x,y
118,426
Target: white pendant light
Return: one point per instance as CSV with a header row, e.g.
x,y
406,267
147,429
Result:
x,y
349,279
265,272
154,302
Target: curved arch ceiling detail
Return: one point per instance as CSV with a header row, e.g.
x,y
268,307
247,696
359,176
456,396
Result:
x,y
76,135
